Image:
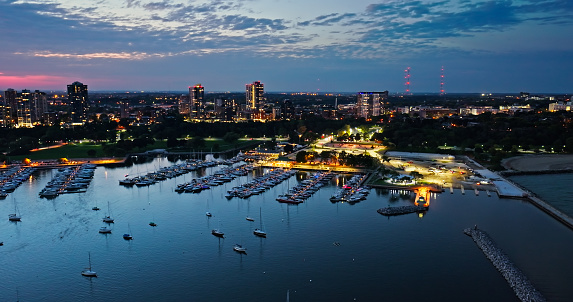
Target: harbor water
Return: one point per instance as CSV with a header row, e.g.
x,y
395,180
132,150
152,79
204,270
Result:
x,y
317,250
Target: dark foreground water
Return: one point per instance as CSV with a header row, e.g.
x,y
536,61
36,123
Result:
x,y
404,258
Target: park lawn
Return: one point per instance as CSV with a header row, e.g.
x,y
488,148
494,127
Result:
x,y
219,145
65,151
80,150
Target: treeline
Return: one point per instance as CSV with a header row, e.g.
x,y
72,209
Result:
x,y
489,137
336,158
119,137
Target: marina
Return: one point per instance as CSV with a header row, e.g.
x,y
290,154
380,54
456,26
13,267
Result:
x,y
179,258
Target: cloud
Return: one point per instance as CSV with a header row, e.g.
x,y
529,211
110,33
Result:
x,y
59,33
100,55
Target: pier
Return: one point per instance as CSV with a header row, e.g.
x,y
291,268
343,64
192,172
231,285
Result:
x,y
523,288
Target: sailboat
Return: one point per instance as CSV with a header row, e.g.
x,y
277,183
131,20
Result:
x,y
239,249
259,232
105,230
108,219
15,216
95,208
88,271
128,236
216,232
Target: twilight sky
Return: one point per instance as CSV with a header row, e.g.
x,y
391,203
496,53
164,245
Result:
x,y
289,45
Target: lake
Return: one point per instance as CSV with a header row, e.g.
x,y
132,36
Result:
x,y
317,250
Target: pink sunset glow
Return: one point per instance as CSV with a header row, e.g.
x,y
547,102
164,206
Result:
x,y
33,82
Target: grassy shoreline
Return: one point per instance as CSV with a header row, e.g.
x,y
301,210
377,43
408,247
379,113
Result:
x,y
91,150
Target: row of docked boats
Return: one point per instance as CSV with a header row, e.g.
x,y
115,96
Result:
x,y
352,191
260,184
166,173
220,177
306,188
74,179
13,177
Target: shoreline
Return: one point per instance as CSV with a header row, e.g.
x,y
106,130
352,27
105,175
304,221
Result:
x,y
536,163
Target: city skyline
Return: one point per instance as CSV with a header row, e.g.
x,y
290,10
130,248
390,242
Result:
x,y
483,46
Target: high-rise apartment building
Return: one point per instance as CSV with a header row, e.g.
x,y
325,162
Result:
x,y
78,101
24,109
369,104
287,111
197,102
9,111
124,108
184,105
255,95
39,106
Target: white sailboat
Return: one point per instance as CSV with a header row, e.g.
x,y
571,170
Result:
x,y
15,216
259,231
88,272
239,249
108,219
105,230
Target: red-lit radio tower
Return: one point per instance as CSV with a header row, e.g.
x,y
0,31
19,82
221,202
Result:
x,y
442,91
407,83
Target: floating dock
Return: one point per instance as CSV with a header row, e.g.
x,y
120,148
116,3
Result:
x,y
523,288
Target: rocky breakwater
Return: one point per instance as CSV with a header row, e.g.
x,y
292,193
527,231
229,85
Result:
x,y
522,287
393,211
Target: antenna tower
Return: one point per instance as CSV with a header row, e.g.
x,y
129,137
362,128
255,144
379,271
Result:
x,y
442,91
407,83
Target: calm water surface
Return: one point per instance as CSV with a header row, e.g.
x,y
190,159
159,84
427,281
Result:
x,y
404,258
553,188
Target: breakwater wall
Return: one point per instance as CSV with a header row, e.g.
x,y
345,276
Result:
x,y
522,287
393,211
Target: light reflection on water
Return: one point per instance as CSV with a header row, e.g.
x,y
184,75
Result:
x,y
402,258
